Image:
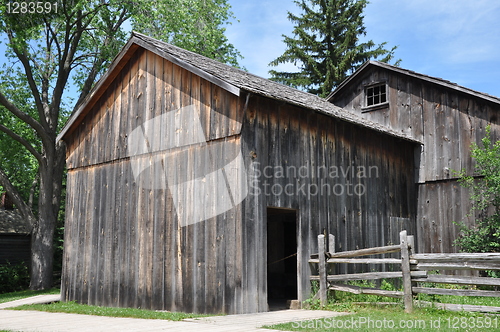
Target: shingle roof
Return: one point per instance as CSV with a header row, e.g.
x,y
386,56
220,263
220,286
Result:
x,y
234,80
11,221
427,78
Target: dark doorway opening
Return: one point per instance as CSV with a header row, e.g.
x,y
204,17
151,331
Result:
x,y
281,257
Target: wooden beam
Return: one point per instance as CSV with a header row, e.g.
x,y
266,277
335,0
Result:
x,y
461,257
371,276
361,276
457,292
365,252
456,266
365,260
364,290
458,280
466,307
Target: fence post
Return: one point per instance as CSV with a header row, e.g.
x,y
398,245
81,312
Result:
x,y
331,243
405,268
411,245
322,270
330,269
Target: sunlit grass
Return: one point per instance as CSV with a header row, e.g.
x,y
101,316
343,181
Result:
x,y
76,308
393,318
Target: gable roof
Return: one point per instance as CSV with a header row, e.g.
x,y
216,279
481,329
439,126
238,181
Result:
x,y
231,79
426,78
12,222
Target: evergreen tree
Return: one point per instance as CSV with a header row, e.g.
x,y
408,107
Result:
x,y
326,45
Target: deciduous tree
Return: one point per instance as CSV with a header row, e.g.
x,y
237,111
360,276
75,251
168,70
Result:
x,y
484,236
57,48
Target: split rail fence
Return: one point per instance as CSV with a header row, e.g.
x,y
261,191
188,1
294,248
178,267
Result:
x,y
414,270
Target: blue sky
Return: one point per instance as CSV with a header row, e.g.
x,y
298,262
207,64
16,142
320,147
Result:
x,y
457,40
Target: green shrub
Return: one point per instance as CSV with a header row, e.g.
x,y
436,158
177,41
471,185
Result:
x,y
13,277
484,236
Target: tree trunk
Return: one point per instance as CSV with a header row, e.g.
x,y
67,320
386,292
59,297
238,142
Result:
x,y
42,235
42,253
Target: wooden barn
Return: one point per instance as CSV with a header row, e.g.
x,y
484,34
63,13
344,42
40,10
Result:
x,y
194,186
446,118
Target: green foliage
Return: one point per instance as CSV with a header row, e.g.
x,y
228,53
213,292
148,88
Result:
x,y
484,236
13,277
17,162
76,308
326,45
194,25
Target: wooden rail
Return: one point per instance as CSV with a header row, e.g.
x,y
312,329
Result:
x,y
414,269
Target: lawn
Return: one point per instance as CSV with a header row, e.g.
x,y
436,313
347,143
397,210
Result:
x,y
393,318
369,315
75,308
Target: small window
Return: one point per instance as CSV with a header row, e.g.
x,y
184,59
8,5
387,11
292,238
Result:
x,y
376,94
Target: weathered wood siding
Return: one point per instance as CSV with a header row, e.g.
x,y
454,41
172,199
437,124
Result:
x,y
124,243
129,245
277,136
148,87
447,122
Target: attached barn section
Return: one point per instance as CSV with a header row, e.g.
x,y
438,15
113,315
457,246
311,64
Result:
x,y
446,118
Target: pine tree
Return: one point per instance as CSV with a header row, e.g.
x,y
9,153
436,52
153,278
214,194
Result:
x,y
326,45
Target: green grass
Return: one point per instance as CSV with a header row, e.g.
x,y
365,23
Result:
x,y
7,297
472,300
393,318
75,308
367,314
345,299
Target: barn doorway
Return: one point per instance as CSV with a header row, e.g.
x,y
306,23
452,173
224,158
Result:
x,y
281,257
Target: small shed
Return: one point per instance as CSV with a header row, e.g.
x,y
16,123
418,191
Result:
x,y
443,115
195,186
15,239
